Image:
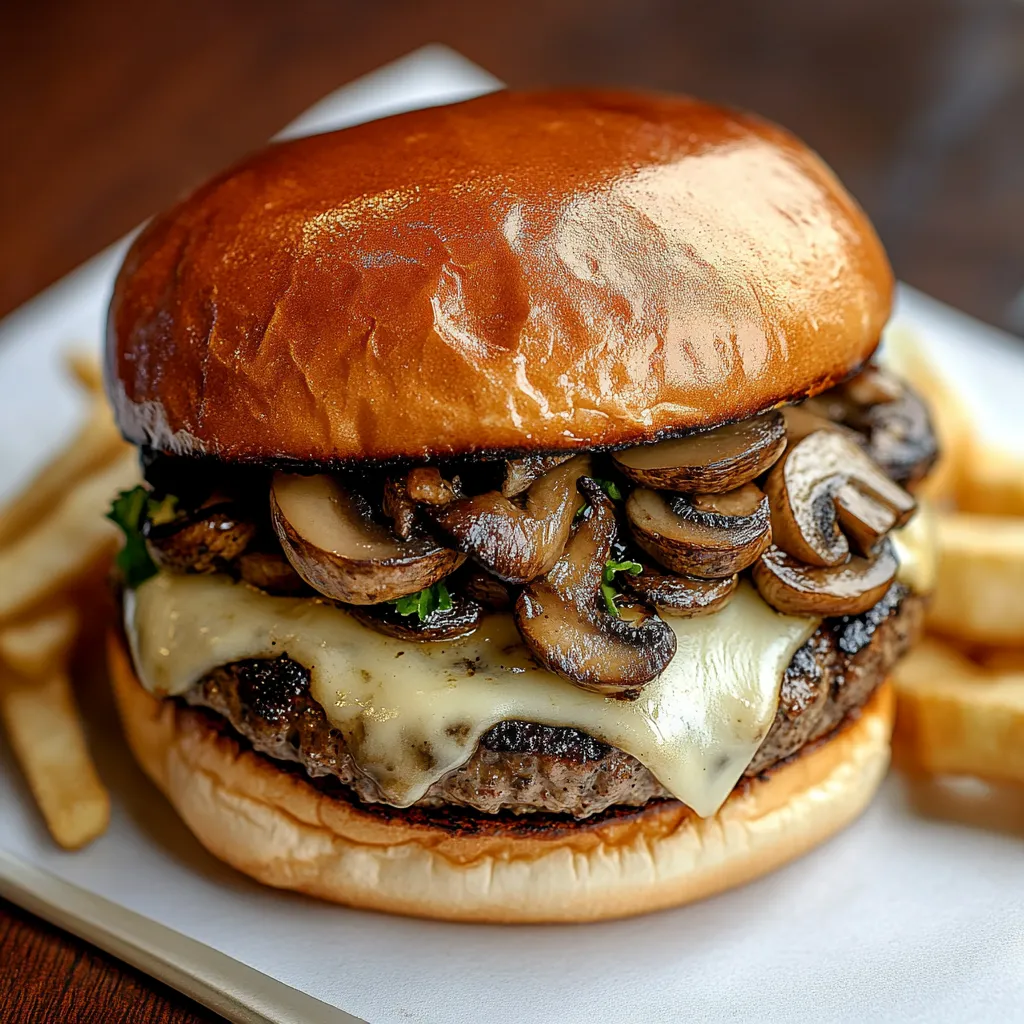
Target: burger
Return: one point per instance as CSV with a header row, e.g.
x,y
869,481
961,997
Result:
x,y
527,532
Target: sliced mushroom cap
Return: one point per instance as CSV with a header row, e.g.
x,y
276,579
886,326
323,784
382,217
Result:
x,y
516,543
898,437
399,508
805,419
204,541
711,535
889,420
520,473
795,588
568,627
490,592
826,482
336,547
272,572
711,462
683,597
464,616
426,485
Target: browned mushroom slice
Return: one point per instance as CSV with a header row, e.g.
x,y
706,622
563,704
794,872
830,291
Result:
x,y
461,619
203,541
520,473
426,485
710,535
794,588
683,597
516,543
567,626
334,545
824,482
888,419
805,419
490,592
270,571
898,436
710,462
399,508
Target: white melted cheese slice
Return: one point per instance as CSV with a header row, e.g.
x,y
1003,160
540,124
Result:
x,y
411,712
916,548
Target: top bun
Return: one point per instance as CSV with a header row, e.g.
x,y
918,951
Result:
x,y
519,272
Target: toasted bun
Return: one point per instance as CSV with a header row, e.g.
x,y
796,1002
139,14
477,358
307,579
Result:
x,y
519,272
275,826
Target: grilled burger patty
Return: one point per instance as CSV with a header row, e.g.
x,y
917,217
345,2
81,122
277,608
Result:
x,y
522,766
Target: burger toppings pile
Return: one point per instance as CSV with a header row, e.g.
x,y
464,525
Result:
x,y
588,551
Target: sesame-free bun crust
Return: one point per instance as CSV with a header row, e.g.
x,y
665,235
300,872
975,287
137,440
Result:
x,y
275,826
519,272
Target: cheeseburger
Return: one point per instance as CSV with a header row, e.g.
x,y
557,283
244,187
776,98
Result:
x,y
526,532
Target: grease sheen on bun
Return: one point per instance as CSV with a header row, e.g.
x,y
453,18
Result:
x,y
519,272
273,825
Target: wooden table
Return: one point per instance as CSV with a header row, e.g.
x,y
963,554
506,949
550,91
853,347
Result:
x,y
111,110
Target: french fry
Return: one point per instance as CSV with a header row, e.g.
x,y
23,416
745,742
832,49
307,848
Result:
x,y
98,442
992,482
904,354
86,369
1001,660
36,646
979,594
953,718
45,733
67,544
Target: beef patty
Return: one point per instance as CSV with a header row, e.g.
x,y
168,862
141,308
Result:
x,y
522,766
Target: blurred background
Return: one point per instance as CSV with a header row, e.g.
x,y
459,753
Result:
x,y
110,110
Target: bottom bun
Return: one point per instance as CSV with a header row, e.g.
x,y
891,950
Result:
x,y
273,824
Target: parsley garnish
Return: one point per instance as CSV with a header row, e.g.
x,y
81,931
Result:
x,y
129,511
610,487
608,591
424,603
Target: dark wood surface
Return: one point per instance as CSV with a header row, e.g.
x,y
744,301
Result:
x,y
108,111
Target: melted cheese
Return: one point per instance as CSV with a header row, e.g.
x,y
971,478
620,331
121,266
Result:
x,y
917,551
411,712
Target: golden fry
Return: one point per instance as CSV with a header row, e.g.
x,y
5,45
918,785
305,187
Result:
x,y
45,733
68,543
36,646
86,369
953,718
97,443
905,355
979,593
1001,660
992,482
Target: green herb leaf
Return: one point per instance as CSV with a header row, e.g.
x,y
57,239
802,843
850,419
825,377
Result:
x,y
425,602
128,512
161,512
608,589
610,487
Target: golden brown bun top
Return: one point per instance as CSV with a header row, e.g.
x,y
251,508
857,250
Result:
x,y
516,272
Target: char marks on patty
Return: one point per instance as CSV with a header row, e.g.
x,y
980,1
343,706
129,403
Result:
x,y
525,767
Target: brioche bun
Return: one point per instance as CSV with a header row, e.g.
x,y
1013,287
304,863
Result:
x,y
515,273
270,823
